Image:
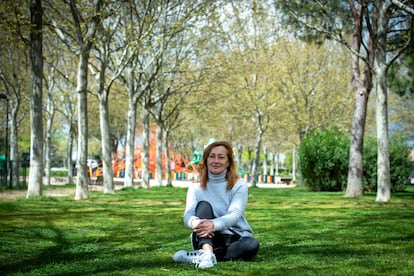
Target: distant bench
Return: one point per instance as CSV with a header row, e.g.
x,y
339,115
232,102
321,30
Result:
x,y
59,179
286,180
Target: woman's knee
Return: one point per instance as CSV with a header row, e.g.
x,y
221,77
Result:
x,y
250,245
204,210
244,249
253,245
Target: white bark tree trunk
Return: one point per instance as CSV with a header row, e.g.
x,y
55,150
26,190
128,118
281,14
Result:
x,y
265,162
69,150
82,191
256,169
36,101
50,112
145,146
159,170
276,160
167,158
85,43
69,114
239,155
272,163
130,135
294,164
108,177
354,186
380,69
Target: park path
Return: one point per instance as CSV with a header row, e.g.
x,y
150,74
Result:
x,y
61,191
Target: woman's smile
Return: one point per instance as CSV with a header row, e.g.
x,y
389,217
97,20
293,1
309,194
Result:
x,y
218,161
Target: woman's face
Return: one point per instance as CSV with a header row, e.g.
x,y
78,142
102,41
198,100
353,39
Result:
x,y
217,160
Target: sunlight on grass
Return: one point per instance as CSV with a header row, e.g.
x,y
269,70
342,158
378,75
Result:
x,y
136,232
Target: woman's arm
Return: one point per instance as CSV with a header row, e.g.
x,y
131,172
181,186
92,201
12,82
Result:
x,y
236,208
191,203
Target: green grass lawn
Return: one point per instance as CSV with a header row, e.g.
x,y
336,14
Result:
x,y
136,232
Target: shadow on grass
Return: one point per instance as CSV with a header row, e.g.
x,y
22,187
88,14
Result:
x,y
63,237
87,255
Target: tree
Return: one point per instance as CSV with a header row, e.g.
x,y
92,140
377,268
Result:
x,y
139,19
322,21
308,74
270,82
252,81
50,114
112,55
370,31
180,74
67,109
156,34
60,110
36,100
14,67
401,84
85,40
69,114
387,49
175,86
79,36
23,33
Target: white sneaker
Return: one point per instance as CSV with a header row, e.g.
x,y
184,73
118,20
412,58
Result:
x,y
184,256
201,258
207,259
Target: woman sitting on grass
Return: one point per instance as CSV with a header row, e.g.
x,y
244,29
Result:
x,y
215,212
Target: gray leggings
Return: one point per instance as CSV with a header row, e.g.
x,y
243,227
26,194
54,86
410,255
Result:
x,y
226,247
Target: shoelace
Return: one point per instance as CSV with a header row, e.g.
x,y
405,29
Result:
x,y
197,259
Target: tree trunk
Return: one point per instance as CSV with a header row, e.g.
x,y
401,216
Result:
x,y
294,164
82,191
158,158
265,161
108,177
276,160
167,158
355,170
256,169
14,145
383,162
145,147
362,84
250,160
239,156
272,163
69,150
36,101
130,135
380,68
50,108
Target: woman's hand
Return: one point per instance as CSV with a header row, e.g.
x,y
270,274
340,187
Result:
x,y
204,228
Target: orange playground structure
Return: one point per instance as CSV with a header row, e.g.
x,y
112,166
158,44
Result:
x,y
178,163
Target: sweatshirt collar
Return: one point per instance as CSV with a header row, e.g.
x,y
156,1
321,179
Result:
x,y
217,178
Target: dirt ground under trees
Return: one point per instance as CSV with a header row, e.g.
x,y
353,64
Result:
x,y
56,189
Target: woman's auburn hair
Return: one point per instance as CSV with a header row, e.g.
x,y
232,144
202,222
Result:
x,y
231,175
